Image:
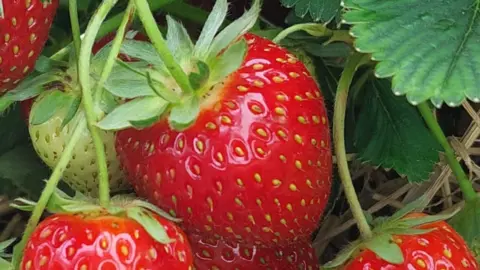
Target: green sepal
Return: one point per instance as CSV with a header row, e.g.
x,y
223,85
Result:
x,y
134,110
228,62
185,113
384,247
142,50
417,221
417,204
150,224
178,40
212,25
198,79
234,30
162,91
155,209
47,105
108,102
342,257
4,264
128,80
145,123
32,86
72,111
45,64
4,245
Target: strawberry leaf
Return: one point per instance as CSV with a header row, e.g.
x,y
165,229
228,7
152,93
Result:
x,y
390,132
385,248
48,104
185,113
443,67
229,61
320,10
135,110
467,224
31,86
150,224
211,27
4,245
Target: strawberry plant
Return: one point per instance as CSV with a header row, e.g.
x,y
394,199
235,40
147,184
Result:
x,y
208,134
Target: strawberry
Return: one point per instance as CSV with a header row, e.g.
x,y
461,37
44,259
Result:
x,y
49,140
124,236
409,241
211,253
254,164
24,28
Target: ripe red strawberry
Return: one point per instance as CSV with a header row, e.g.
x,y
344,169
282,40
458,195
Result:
x,y
24,28
129,237
210,253
255,166
440,248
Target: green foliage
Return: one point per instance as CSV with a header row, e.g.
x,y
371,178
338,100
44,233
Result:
x,y
467,223
319,10
390,133
431,48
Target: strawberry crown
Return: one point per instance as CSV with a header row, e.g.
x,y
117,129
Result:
x,y
382,243
207,62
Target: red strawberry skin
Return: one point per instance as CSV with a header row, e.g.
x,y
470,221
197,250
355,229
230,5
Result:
x,y
210,253
23,33
66,242
255,167
440,249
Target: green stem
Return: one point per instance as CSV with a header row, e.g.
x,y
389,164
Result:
x,y
109,26
324,31
72,8
114,51
150,25
47,192
351,66
87,96
462,178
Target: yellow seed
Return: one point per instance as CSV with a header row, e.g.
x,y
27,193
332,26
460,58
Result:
x,y
240,182
209,219
256,109
314,142
26,69
302,120
298,98
230,216
281,60
248,229
208,227
45,234
277,79
7,37
71,251
16,49
262,132
200,146
276,182
226,120
28,265
238,201
298,164
33,37
276,201
124,250
220,157
289,207
316,119
30,21
281,97
280,111
309,183
210,202
283,221
14,21
259,202
324,120
268,218
258,67
250,217
292,60
465,262
172,213
1,60
239,151
421,263
242,88
282,134
84,267
293,187
447,253
298,138
258,178
43,260
303,202
294,74
211,126
283,158
258,83
309,95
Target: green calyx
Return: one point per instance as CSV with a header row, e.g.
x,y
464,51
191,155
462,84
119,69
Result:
x,y
383,243
156,93
4,264
126,206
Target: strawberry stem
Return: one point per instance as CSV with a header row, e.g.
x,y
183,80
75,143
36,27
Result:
x,y
316,30
114,51
153,32
353,62
87,96
47,192
72,8
462,178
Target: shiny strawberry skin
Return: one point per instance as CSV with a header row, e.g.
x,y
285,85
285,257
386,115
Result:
x,y
255,167
210,253
440,249
66,242
24,31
